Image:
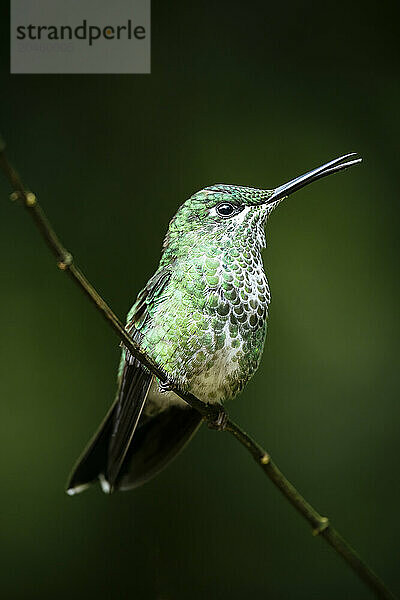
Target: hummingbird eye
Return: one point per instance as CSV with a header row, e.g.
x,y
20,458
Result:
x,y
225,209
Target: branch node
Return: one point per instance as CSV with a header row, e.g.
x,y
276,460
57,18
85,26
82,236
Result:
x,y
265,459
28,198
65,262
322,525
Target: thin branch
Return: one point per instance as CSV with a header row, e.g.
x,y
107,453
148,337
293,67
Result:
x,y
320,525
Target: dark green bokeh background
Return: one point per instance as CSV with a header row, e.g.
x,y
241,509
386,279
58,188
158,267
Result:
x,y
247,93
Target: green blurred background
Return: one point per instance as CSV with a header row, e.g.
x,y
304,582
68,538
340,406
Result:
x,y
247,93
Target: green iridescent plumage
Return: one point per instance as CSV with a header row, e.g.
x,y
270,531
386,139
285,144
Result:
x,y
202,318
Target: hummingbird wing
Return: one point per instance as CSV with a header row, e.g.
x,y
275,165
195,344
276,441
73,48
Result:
x,y
135,379
160,437
133,390
105,455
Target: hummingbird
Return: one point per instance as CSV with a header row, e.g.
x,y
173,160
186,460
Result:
x,y
202,318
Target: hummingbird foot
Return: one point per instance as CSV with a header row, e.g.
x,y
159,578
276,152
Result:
x,y
219,421
165,386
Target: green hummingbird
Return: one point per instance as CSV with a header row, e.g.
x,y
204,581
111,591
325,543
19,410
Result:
x,y
202,318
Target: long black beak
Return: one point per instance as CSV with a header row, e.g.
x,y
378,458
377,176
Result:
x,y
334,166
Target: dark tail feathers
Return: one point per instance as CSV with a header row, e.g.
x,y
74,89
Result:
x,y
156,441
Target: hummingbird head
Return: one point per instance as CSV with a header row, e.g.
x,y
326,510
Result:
x,y
228,211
